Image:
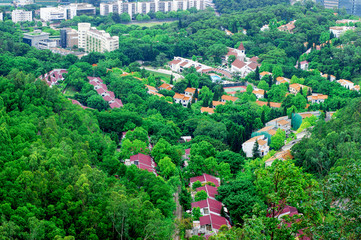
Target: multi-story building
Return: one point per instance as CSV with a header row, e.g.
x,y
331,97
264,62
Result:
x,y
37,39
1,16
338,31
93,40
133,8
21,16
68,38
352,7
66,11
23,2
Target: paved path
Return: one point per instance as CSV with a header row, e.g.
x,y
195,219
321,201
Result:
x,y
178,213
176,75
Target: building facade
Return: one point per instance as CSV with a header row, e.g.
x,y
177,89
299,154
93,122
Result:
x,y
66,11
352,7
21,16
93,40
133,8
34,38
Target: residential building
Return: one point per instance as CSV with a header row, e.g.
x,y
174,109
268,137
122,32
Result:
x,y
262,74
226,98
281,80
21,16
190,91
1,16
346,83
352,7
133,8
317,98
210,190
217,103
205,178
53,77
303,65
283,155
207,110
93,40
347,21
20,3
296,88
143,162
329,77
259,93
263,147
264,28
209,206
36,38
338,31
285,125
209,224
270,104
64,12
288,27
165,86
151,89
182,99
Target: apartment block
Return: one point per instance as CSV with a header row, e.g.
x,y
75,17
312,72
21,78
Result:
x,y
93,40
133,8
21,16
1,16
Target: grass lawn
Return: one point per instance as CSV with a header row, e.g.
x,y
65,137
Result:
x,y
149,24
163,76
70,91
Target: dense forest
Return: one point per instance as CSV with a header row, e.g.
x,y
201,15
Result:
x,y
62,166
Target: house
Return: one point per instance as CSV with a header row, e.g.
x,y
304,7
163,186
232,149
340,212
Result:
x,y
356,88
143,162
184,139
229,33
287,27
75,102
204,179
296,88
338,31
207,110
262,74
216,103
346,83
264,28
209,224
116,104
190,92
174,63
317,98
182,99
226,98
263,147
210,190
270,104
330,77
285,125
237,66
283,155
151,89
209,206
51,78
281,80
259,93
347,21
165,86
179,64
187,153
304,65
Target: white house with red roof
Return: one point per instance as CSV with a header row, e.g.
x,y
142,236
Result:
x,y
209,223
210,190
143,162
209,206
51,78
204,179
263,147
303,65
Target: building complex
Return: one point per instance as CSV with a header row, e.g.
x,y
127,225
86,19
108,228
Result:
x,y
21,16
133,8
64,12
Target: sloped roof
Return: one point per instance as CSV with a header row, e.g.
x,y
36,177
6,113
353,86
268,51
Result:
x,y
215,221
205,178
191,90
207,109
216,103
229,98
239,64
210,190
241,47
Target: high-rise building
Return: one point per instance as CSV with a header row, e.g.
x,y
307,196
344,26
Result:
x,y
351,6
133,8
93,40
66,11
21,16
68,38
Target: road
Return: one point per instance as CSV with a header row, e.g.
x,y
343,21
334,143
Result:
x,y
300,136
178,213
176,75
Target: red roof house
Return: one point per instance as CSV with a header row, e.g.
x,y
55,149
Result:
x,y
205,178
208,206
210,190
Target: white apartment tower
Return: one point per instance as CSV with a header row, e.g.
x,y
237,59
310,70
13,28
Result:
x,y
93,40
133,8
21,16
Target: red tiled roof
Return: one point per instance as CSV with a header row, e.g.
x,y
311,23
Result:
x,y
253,65
205,178
100,90
238,64
116,104
241,47
111,94
188,151
107,98
142,158
254,59
210,190
174,62
213,205
95,78
214,220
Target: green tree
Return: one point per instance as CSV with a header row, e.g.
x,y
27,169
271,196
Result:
x,y
167,167
278,140
201,195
